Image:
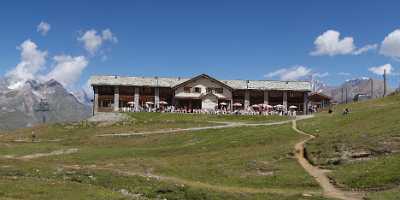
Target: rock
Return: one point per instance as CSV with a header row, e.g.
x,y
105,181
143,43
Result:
x,y
307,195
360,154
334,161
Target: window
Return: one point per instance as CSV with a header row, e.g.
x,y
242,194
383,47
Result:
x,y
186,89
215,90
219,90
197,90
107,103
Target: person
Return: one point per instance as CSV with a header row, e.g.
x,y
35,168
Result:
x,y
346,111
33,135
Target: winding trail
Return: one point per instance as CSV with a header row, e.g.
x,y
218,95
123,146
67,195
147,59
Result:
x,y
198,184
39,155
329,190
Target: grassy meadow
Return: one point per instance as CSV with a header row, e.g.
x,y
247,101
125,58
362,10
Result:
x,y
231,163
362,148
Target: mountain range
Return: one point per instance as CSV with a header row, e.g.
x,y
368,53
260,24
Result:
x,y
21,107
353,87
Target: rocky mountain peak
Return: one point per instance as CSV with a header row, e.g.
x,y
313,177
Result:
x,y
17,107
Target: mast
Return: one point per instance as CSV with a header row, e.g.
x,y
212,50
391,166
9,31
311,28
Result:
x,y
384,82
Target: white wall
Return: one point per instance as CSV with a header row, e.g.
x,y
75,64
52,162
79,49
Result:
x,y
203,83
209,102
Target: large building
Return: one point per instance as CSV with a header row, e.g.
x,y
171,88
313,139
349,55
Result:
x,y
111,93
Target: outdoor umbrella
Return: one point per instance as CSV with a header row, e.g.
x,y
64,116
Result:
x,y
149,103
222,104
255,106
292,107
163,103
237,104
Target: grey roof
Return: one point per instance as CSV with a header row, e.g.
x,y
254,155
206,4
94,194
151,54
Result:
x,y
171,82
136,81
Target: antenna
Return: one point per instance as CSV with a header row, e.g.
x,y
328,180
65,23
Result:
x,y
384,82
342,95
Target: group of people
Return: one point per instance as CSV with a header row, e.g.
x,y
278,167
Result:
x,y
222,110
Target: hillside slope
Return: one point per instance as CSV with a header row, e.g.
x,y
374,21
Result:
x,y
362,147
353,87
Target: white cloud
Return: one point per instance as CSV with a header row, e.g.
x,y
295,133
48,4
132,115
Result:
x,y
107,35
93,41
43,28
320,75
32,61
391,45
293,73
365,49
67,69
379,70
344,74
330,43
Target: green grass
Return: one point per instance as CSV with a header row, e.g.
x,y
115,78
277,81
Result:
x,y
372,126
392,194
176,117
231,163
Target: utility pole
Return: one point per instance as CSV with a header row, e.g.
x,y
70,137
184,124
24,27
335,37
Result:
x,y
43,107
346,95
342,95
372,87
384,82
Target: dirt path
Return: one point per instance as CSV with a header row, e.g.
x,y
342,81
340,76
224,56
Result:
x,y
224,125
328,188
198,184
38,155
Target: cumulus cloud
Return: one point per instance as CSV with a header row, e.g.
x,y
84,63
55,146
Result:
x,y
379,70
330,43
390,46
67,69
43,28
107,35
365,49
293,73
32,61
92,40
320,75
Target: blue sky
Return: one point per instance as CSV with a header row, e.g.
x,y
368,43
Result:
x,y
226,39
